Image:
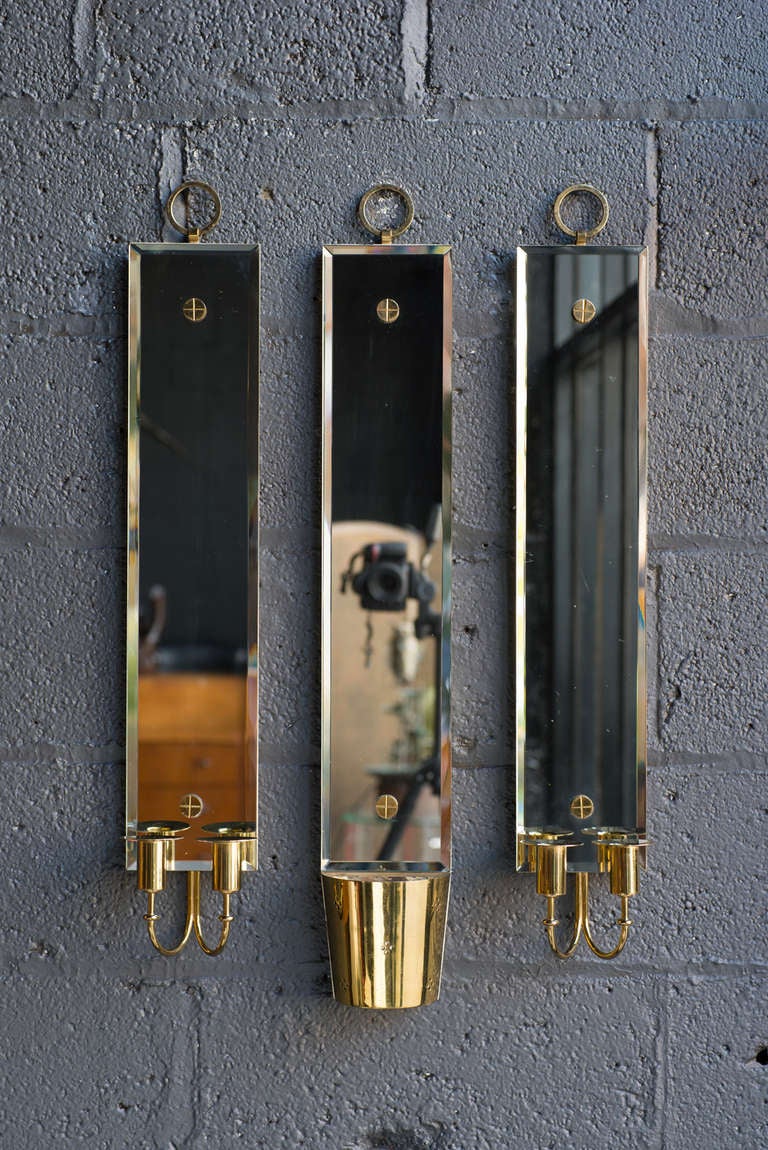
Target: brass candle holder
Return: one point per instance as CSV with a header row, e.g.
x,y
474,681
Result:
x,y
233,849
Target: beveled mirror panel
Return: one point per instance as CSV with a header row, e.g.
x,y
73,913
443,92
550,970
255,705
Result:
x,y
386,609
580,591
386,620
193,542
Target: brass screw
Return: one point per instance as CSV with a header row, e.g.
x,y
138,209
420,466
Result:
x,y
387,310
194,310
582,806
386,806
191,806
583,311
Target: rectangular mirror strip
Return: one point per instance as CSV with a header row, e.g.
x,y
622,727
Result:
x,y
192,614
580,540
386,558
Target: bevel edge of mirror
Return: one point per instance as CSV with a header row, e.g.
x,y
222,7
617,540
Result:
x,y
152,247
389,868
642,550
386,249
132,566
582,249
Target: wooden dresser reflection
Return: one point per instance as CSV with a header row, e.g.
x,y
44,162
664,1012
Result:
x,y
192,743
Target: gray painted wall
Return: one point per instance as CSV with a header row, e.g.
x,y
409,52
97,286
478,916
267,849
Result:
x,y
484,110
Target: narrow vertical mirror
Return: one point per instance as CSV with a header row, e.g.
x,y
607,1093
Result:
x,y
581,559
192,567
386,620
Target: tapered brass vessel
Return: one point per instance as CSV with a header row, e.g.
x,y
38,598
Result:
x,y
385,936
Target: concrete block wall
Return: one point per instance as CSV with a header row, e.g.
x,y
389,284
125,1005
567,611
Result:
x,y
484,111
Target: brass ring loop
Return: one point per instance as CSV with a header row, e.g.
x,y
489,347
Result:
x,y
393,189
185,187
581,235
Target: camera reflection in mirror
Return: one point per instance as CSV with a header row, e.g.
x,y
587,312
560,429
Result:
x,y
385,642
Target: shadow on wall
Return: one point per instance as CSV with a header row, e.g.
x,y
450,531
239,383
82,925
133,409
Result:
x,y
401,1138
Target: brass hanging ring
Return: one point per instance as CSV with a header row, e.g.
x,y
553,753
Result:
x,y
581,235
393,190
184,228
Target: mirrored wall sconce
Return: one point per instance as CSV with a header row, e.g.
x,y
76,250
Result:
x,y
386,610
582,332
192,658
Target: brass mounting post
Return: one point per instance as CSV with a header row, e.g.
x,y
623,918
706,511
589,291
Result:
x,y
233,848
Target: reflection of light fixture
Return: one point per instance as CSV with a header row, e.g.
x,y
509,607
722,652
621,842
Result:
x,y
386,885
191,701
580,569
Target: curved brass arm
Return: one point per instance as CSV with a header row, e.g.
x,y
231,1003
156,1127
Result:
x,y
192,923
624,924
550,922
225,918
582,925
233,847
151,918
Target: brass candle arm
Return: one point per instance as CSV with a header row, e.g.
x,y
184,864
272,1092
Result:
x,y
233,847
193,922
582,925
618,854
